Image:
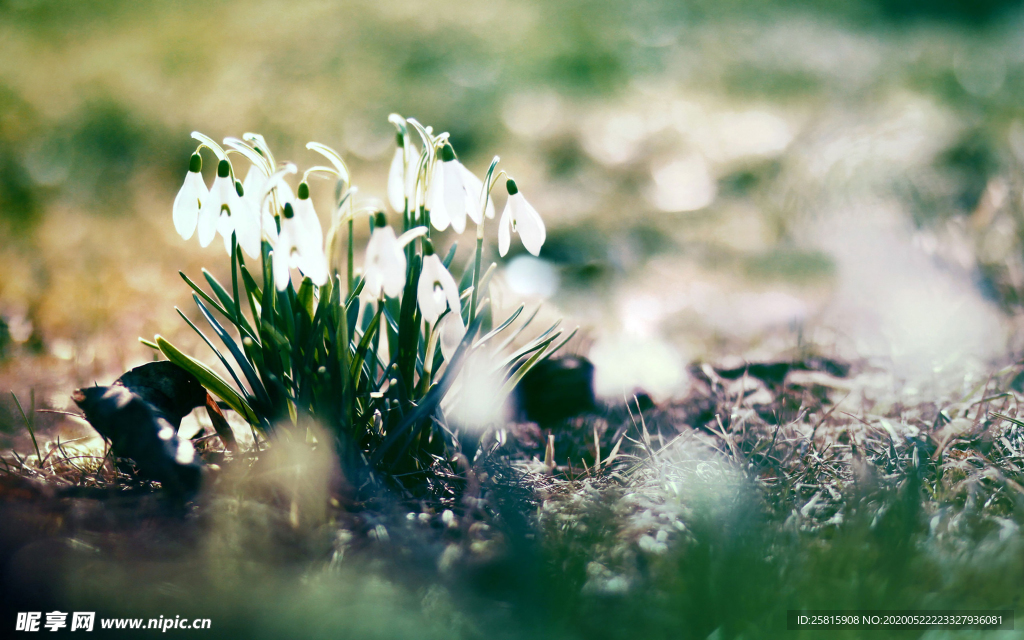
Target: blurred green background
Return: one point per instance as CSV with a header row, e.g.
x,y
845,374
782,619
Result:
x,y
699,164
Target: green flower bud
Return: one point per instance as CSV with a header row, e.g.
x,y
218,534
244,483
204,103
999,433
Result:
x,y
303,191
223,169
400,139
238,189
195,163
289,213
510,184
447,153
428,247
380,220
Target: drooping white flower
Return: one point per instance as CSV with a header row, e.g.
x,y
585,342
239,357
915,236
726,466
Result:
x,y
520,216
224,198
436,293
243,222
301,247
436,289
402,176
306,214
435,199
254,186
449,199
190,198
385,261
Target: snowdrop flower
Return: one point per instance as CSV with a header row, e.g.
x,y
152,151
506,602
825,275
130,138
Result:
x,y
436,290
385,261
190,198
225,198
299,245
241,221
449,200
255,186
306,214
521,217
402,176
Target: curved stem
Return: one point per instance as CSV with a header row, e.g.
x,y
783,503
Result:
x,y
476,268
485,196
321,169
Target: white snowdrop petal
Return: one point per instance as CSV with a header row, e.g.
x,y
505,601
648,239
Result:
x,y
224,229
385,264
308,220
474,188
247,228
451,290
374,283
504,229
282,256
529,224
454,194
411,171
209,215
396,181
312,262
439,301
394,273
435,199
187,204
269,227
429,307
253,186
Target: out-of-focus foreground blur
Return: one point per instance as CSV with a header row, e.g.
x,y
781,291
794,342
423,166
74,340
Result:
x,y
719,179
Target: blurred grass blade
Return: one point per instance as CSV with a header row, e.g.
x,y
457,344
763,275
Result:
x,y
515,334
501,327
29,424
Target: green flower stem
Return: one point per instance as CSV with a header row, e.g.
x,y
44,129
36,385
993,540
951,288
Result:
x,y
375,348
476,269
488,185
351,261
234,282
428,359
